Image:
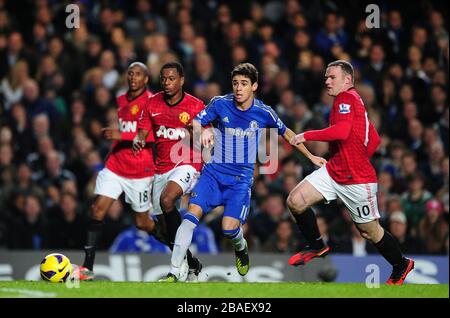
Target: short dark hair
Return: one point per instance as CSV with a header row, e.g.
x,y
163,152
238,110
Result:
x,y
141,65
175,65
345,66
247,70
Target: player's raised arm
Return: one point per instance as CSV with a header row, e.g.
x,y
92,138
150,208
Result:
x,y
340,130
318,161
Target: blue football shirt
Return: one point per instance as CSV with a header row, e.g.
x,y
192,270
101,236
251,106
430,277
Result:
x,y
237,133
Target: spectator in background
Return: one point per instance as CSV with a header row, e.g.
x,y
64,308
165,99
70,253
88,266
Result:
x,y
409,113
398,226
433,229
290,166
413,201
272,211
25,183
408,169
205,71
14,52
376,68
302,117
385,181
6,156
355,244
100,103
443,193
396,32
12,84
340,227
439,102
388,100
107,65
35,104
323,230
46,73
332,35
443,129
36,160
415,140
28,229
114,225
68,229
21,130
436,154
143,14
259,190
41,126
54,173
282,240
91,54
393,162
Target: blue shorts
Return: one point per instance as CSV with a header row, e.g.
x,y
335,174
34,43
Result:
x,y
214,189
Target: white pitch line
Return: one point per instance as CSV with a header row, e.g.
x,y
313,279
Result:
x,y
29,292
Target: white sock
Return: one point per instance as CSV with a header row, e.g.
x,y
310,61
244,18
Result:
x,y
238,241
182,241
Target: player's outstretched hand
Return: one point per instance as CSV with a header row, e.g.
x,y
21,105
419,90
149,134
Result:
x,y
138,144
207,138
318,161
111,134
297,140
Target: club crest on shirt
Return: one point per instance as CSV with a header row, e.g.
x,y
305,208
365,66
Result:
x,y
184,117
344,108
134,109
254,124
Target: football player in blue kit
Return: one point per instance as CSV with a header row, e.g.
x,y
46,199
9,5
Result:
x,y
227,178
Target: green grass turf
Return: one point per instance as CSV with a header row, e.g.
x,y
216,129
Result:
x,y
218,290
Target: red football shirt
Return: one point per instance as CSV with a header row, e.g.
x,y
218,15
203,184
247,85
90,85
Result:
x,y
169,122
121,160
353,139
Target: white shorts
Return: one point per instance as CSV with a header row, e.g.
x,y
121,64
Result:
x,y
360,199
185,176
137,191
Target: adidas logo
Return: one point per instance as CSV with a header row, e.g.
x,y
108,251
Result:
x,y
225,120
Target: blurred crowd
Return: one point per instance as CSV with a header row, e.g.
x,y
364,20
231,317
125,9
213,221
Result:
x,y
58,87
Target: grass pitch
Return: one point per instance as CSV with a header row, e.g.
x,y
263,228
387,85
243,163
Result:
x,y
108,289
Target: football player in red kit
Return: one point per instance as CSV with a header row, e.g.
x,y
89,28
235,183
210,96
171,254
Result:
x,y
124,170
348,175
178,165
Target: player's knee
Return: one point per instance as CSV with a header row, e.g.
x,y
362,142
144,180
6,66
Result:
x,y
231,233
97,212
366,235
140,225
167,203
145,225
294,204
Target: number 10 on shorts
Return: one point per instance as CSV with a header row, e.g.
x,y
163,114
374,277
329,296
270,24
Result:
x,y
364,211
